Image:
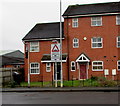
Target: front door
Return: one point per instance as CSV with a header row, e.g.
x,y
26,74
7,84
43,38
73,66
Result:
x,y
58,71
83,71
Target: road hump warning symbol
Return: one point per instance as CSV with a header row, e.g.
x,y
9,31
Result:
x,y
55,49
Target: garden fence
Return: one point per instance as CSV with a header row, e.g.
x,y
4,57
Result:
x,y
6,75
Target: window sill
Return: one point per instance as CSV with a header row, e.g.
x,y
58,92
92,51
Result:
x,y
48,71
74,27
72,70
97,70
97,47
34,73
34,51
75,47
96,25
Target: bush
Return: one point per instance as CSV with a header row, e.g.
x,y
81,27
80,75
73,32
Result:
x,y
101,79
108,83
12,84
94,78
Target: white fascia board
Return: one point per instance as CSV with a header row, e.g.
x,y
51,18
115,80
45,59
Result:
x,y
43,39
90,15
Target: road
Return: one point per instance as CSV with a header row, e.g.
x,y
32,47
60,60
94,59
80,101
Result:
x,y
60,98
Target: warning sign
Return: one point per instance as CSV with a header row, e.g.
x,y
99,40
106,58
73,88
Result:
x,y
55,52
55,48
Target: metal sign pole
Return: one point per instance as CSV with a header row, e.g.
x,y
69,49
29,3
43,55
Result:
x,y
55,56
61,44
55,73
28,66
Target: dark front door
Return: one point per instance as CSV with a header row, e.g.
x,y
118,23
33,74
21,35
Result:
x,y
58,71
83,71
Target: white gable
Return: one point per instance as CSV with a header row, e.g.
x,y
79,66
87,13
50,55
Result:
x,y
82,58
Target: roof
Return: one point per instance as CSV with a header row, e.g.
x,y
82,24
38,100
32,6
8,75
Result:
x,y
9,57
3,52
47,57
10,60
111,7
44,31
12,53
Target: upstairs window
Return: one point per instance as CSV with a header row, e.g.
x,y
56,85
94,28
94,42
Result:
x,y
34,46
75,22
118,42
96,21
118,20
34,68
72,66
118,64
48,67
75,43
97,65
97,42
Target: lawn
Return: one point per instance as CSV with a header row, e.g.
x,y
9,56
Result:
x,y
36,84
74,83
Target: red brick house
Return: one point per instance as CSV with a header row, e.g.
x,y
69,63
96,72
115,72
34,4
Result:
x,y
91,42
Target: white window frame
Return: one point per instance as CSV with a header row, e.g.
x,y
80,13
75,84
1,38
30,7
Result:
x,y
118,65
75,22
32,45
97,66
117,20
48,66
73,65
96,20
96,42
117,42
37,68
75,43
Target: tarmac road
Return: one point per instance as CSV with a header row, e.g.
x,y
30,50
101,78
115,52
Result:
x,y
60,98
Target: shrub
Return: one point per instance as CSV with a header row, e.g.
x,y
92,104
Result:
x,y
108,83
101,79
94,78
12,84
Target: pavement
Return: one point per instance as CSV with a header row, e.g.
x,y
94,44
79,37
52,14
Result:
x,y
59,89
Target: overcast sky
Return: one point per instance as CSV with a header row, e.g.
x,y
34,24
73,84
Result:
x,y
17,17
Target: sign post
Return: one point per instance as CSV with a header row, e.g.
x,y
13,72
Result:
x,y
55,56
55,73
55,52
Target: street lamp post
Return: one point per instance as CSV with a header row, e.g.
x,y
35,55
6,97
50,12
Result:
x,y
61,43
27,53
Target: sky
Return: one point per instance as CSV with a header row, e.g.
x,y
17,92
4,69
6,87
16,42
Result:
x,y
18,17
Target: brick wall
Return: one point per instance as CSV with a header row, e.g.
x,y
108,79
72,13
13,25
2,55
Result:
x,y
108,31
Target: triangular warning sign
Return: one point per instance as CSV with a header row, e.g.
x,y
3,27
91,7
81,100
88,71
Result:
x,y
55,49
